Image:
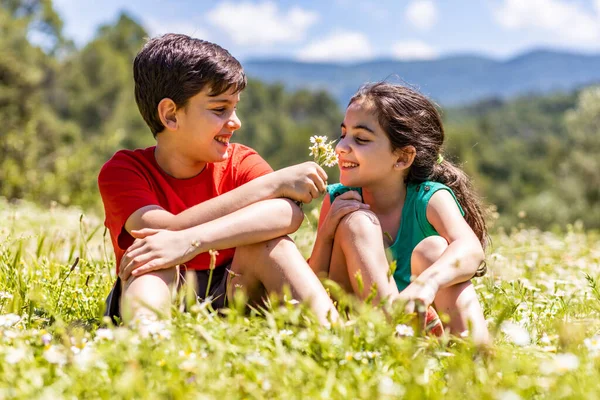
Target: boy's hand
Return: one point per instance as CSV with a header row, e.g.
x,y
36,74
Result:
x,y
154,249
342,205
302,182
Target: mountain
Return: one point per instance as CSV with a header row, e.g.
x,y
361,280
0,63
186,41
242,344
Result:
x,y
452,81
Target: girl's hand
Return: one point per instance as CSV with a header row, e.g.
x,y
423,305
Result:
x,y
344,204
155,249
418,296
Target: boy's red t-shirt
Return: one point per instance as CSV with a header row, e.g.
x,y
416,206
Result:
x,y
132,179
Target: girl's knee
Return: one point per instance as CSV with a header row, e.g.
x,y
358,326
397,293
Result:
x,y
428,251
358,223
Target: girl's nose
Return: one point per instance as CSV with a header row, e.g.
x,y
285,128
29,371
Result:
x,y
341,147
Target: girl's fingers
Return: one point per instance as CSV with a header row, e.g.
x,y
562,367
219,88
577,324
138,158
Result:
x,y
350,195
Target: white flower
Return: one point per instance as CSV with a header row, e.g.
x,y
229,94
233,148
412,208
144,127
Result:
x,y
517,334
8,320
104,334
46,338
388,387
561,363
404,330
322,151
55,356
85,357
545,340
15,355
508,395
5,295
593,345
286,332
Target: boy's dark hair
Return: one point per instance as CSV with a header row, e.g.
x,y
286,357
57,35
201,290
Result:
x,y
410,119
178,67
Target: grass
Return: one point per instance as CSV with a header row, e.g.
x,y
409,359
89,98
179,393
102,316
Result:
x,y
541,299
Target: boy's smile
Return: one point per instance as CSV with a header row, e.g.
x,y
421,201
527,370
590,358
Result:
x,y
199,133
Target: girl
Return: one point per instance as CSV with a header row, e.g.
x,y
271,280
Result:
x,y
398,194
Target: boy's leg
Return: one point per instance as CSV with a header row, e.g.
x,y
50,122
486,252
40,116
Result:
x,y
149,295
270,266
359,249
458,301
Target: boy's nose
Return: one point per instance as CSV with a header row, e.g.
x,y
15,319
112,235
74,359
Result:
x,y
234,122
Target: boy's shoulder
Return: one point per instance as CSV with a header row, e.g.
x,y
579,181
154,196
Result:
x,y
130,157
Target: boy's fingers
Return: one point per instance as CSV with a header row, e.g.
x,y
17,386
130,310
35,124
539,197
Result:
x,y
321,184
142,233
148,267
322,173
134,263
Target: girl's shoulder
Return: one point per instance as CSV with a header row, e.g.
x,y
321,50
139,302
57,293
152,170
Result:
x,y
337,189
424,190
421,193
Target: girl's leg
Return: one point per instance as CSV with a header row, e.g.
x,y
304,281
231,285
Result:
x,y
458,301
267,267
358,249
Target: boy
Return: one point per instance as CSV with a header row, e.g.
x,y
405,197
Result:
x,y
167,205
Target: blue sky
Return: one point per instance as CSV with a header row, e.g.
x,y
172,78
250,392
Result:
x,y
352,31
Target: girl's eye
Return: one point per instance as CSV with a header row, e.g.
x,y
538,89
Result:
x,y
360,140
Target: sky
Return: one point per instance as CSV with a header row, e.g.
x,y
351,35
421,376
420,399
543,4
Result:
x,y
347,31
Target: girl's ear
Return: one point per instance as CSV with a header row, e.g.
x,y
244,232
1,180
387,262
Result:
x,y
167,114
405,157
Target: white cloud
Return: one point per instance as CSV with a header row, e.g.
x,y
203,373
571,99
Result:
x,y
422,14
338,47
157,27
413,50
262,23
568,22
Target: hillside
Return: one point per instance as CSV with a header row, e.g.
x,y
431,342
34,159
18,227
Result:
x,y
452,81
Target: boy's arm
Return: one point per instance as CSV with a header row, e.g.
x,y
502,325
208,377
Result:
x,y
157,249
302,182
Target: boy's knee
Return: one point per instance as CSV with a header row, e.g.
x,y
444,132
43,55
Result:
x,y
358,223
428,251
150,293
269,248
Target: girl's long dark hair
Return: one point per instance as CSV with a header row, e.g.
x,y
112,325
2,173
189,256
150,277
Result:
x,y
410,119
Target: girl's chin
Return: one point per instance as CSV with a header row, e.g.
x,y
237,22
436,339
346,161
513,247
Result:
x,y
346,181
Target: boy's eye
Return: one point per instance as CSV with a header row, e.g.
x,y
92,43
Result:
x,y
219,110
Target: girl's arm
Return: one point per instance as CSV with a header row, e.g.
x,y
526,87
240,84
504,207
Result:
x,y
330,217
464,253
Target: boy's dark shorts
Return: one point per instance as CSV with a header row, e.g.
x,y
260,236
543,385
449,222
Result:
x,y
218,290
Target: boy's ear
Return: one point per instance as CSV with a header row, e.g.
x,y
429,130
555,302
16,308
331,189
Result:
x,y
167,112
405,156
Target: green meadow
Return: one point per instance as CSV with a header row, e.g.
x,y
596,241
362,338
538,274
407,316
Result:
x,y
541,299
